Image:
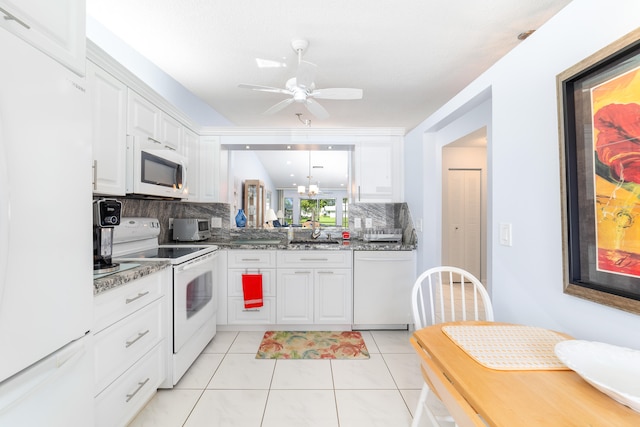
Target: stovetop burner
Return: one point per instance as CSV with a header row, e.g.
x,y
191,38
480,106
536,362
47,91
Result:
x,y
166,252
136,239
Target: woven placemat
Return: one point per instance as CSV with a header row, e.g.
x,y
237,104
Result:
x,y
507,347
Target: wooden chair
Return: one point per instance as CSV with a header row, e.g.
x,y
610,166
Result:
x,y
445,294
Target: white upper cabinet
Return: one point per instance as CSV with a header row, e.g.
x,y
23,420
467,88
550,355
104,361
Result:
x,y
379,171
171,132
143,117
146,119
204,158
109,133
209,169
191,149
57,28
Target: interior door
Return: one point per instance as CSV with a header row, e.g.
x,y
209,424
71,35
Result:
x,y
464,220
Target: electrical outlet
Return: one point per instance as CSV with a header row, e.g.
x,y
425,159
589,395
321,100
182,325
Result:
x,y
357,223
368,223
216,222
170,223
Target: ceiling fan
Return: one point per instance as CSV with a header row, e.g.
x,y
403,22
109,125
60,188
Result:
x,y
302,88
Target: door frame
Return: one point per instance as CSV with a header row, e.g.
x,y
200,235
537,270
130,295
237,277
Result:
x,y
468,152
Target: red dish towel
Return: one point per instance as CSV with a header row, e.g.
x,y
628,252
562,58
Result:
x,y
252,289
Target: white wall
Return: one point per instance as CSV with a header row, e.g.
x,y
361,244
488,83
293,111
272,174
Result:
x,y
524,174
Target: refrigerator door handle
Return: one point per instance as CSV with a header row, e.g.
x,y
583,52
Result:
x,y
25,383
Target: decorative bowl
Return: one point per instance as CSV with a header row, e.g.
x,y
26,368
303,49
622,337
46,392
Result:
x,y
613,370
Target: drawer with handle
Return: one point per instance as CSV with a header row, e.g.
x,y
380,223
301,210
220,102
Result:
x,y
119,302
121,401
238,315
120,345
251,259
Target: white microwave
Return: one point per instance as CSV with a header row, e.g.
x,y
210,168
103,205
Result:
x,y
155,170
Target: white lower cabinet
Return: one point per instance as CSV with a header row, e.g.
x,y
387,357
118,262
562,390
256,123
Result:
x,y
332,296
130,337
241,262
122,400
295,296
314,287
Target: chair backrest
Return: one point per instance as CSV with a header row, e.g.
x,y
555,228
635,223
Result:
x,y
448,294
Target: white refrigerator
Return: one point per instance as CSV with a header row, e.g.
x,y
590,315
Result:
x,y
46,281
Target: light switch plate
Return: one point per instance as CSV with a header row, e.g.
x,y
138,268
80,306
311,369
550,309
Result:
x,y
368,223
505,234
357,223
216,222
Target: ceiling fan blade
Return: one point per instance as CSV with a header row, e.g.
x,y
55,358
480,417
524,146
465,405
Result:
x,y
306,74
337,93
279,106
316,109
265,89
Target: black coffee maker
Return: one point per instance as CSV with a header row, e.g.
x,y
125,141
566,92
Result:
x,y
106,215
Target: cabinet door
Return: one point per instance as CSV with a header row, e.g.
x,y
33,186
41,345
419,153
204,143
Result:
x,y
143,118
332,296
378,172
109,116
171,132
209,181
57,28
191,149
294,301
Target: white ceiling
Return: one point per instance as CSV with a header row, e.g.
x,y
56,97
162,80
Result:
x,y
408,56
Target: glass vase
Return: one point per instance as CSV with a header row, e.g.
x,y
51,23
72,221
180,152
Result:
x,y
241,218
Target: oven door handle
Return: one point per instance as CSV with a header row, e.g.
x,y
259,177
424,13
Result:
x,y
195,262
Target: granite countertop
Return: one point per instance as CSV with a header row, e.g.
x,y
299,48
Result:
x,y
114,280
349,245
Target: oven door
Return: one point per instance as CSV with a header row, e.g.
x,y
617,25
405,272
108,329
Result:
x,y
194,297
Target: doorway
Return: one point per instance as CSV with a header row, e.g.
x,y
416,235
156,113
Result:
x,y
464,190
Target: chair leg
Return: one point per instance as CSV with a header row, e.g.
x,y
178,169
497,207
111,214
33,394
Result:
x,y
420,409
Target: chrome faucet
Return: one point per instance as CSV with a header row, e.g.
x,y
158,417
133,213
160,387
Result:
x,y
315,232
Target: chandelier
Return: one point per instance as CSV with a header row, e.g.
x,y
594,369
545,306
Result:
x,y
313,188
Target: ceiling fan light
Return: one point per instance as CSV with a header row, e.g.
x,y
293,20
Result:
x,y
299,96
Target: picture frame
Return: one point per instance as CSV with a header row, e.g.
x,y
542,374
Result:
x,y
599,111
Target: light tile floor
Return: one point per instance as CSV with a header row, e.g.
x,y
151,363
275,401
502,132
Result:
x,y
227,387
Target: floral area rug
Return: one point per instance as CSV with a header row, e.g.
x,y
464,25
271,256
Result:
x,y
312,345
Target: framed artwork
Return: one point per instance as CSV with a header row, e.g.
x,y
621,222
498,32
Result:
x,y
599,109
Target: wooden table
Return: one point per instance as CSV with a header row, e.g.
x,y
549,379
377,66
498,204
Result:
x,y
557,398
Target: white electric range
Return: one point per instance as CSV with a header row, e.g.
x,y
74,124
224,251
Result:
x,y
194,297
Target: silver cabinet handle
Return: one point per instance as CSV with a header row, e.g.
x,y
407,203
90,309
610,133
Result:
x,y
314,259
302,272
11,17
325,272
250,259
140,385
168,147
153,140
95,174
140,335
250,309
140,295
